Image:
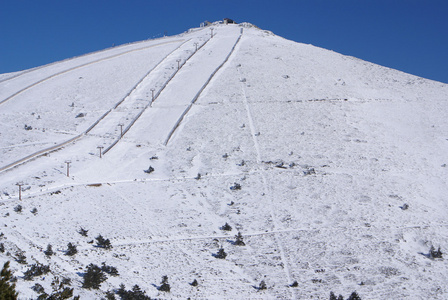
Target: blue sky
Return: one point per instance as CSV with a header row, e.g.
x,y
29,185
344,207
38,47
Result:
x,y
408,35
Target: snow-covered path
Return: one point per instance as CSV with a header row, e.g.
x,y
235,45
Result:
x,y
156,124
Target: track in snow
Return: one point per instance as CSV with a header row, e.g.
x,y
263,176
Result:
x,y
74,68
79,136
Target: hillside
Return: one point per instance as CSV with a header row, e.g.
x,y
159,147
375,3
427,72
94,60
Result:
x,y
333,169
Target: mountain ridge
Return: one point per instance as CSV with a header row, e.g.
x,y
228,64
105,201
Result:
x,y
310,154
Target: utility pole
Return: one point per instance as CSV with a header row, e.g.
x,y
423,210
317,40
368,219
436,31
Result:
x,y
178,63
121,130
196,44
152,91
68,167
20,189
100,147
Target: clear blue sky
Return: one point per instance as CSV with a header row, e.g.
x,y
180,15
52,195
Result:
x,y
407,35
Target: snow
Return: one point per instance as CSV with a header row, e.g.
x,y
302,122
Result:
x,y
326,148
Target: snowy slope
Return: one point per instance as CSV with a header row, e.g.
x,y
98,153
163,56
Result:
x,y
327,149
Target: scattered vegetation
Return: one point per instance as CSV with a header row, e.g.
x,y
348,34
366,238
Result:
x,y
134,293
353,296
35,270
2,248
93,277
28,127
60,290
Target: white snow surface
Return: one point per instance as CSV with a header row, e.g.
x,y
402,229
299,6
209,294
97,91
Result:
x,y
327,149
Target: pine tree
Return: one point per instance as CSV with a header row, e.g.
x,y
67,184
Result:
x,y
49,251
7,290
226,227
221,254
332,296
83,232
71,249
239,240
354,296
93,277
262,285
164,287
435,254
103,243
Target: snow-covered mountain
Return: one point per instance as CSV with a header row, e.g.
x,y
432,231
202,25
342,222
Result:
x,y
333,169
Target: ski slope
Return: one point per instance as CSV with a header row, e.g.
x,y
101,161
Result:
x,y
326,148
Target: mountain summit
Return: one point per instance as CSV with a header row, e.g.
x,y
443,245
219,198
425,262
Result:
x,y
224,162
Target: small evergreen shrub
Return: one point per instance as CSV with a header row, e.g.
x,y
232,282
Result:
x,y
103,243
83,232
194,283
60,290
35,270
109,270
435,254
110,295
20,257
134,293
354,296
71,250
164,287
34,211
235,187
2,248
18,208
149,171
226,227
93,277
49,250
7,289
221,254
38,288
262,286
294,284
239,240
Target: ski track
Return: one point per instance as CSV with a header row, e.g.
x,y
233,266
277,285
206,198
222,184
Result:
x,y
200,92
267,191
75,68
77,137
128,127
